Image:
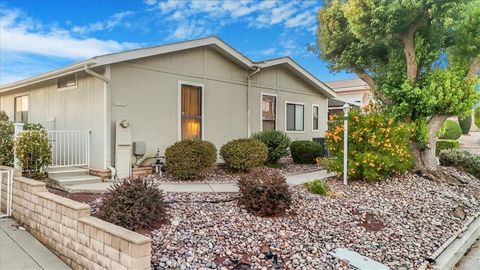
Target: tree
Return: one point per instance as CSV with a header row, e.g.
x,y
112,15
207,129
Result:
x,y
419,57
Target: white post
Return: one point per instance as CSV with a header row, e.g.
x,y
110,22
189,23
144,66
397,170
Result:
x,y
18,129
346,109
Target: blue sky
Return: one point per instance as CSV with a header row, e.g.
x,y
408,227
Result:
x,y
38,36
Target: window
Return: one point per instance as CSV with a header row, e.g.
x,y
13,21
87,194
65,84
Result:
x,y
295,116
315,110
21,109
67,82
269,112
191,112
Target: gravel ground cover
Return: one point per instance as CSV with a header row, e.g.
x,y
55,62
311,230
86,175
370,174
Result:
x,y
398,222
222,175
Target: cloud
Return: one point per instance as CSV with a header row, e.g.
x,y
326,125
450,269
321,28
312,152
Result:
x,y
113,21
268,52
19,33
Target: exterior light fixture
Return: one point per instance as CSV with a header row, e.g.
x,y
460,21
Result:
x,y
346,110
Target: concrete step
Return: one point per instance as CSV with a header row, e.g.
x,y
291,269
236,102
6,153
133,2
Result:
x,y
76,179
66,171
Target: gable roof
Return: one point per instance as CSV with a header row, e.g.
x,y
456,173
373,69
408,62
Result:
x,y
348,85
213,42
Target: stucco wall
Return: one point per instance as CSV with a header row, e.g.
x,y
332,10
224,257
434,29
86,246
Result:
x,y
75,109
145,92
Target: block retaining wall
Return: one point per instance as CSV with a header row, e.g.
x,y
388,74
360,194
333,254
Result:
x,y
66,227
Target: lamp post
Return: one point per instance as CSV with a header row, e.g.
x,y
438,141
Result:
x,y
346,110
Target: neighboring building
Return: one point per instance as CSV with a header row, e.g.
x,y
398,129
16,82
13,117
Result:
x,y
196,89
354,91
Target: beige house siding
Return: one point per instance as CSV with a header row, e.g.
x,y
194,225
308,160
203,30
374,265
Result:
x,y
75,109
145,92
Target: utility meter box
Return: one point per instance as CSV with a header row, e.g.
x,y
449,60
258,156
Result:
x,y
123,149
139,148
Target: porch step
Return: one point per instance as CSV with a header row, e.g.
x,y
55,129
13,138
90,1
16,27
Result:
x,y
66,171
76,180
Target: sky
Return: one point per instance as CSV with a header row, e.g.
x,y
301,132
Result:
x,y
37,36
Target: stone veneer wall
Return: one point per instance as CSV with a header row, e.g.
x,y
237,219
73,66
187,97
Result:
x,y
66,227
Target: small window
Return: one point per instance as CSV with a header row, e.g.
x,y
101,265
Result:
x,y
21,109
315,110
295,117
67,82
269,112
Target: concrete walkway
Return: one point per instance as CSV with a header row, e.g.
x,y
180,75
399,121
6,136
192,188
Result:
x,y
470,142
471,260
292,180
19,250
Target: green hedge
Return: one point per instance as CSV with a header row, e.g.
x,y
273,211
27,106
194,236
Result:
x,y
462,160
477,117
306,152
451,130
190,158
465,123
244,154
446,144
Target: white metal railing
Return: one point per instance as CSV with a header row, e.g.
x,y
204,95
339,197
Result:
x,y
6,193
70,148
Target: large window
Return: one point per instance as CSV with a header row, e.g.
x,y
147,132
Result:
x,y
67,82
21,109
315,110
295,116
269,112
191,112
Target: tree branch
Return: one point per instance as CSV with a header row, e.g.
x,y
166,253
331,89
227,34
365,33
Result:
x,y
408,39
474,67
363,75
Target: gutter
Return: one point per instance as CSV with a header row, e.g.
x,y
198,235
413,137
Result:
x,y
106,81
257,70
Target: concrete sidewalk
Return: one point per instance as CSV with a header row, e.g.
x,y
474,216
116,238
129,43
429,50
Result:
x,y
293,180
471,260
19,250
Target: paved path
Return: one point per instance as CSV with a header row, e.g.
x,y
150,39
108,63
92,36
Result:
x,y
292,180
471,260
19,250
471,143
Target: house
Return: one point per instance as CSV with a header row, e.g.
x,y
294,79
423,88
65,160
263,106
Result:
x,y
351,90
96,109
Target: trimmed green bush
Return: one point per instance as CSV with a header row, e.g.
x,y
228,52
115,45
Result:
x,y
317,187
3,116
134,203
446,144
244,154
465,123
6,143
264,193
477,117
306,152
277,143
462,160
451,130
33,151
188,159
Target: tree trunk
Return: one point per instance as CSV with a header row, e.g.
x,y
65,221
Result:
x,y
474,67
425,160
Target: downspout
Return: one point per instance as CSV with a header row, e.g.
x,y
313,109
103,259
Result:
x,y
105,124
257,70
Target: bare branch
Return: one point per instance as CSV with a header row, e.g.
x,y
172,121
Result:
x,y
408,39
474,68
363,75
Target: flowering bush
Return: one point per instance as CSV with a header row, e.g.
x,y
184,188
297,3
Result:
x,y
6,142
32,149
377,147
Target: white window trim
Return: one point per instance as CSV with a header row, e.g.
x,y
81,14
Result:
x,y
60,89
318,118
261,109
294,131
15,106
179,107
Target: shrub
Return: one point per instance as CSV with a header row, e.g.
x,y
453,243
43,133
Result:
x,y
477,117
465,123
3,116
134,203
377,147
6,143
462,160
244,154
317,187
277,143
264,193
33,151
446,144
188,159
306,152
32,126
451,130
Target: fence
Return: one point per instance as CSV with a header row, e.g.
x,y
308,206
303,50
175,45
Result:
x,y
70,148
6,192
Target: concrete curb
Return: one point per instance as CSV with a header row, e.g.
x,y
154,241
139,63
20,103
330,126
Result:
x,y
449,254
